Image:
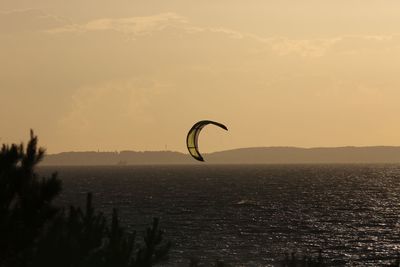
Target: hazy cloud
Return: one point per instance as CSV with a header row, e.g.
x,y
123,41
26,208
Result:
x,y
118,102
177,24
132,25
108,113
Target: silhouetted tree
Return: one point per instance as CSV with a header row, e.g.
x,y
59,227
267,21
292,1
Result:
x,y
290,260
305,261
90,242
25,202
34,232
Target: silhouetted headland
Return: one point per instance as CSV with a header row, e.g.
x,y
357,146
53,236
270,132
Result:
x,y
256,155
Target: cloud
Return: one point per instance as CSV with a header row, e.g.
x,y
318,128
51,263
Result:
x,y
117,102
37,20
112,111
225,31
130,25
356,44
175,24
28,20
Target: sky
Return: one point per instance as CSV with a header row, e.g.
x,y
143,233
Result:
x,y
136,75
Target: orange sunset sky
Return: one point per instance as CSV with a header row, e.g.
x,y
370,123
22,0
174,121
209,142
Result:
x,y
135,75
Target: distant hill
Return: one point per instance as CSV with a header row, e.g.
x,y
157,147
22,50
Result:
x,y
116,158
256,155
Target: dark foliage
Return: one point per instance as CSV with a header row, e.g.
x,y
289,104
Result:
x,y
291,260
90,242
194,262
25,202
395,263
303,261
34,232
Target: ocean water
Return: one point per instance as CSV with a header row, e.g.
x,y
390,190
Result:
x,y
250,215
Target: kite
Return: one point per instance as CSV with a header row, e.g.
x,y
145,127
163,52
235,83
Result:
x,y
193,135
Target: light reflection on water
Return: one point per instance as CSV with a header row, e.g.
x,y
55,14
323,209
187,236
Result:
x,y
252,214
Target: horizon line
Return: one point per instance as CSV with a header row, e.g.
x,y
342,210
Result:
x,y
231,149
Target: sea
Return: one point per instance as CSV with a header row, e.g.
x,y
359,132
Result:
x,y
251,215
